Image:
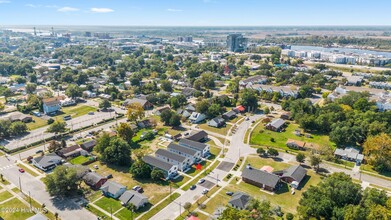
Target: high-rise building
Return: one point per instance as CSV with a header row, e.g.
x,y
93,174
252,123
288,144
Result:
x,y
180,39
188,39
236,43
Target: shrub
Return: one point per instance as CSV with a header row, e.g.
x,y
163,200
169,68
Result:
x,y
50,121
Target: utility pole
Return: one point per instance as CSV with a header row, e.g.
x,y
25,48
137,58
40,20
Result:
x,y
30,200
180,208
20,185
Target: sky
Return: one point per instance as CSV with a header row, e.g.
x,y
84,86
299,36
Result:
x,y
195,12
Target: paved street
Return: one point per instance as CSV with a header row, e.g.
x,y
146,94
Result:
x,y
66,208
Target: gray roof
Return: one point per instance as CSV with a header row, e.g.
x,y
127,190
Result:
x,y
277,123
47,160
171,155
239,199
349,153
182,149
261,176
89,144
155,162
218,120
295,172
112,187
194,144
92,178
229,113
197,136
135,100
133,197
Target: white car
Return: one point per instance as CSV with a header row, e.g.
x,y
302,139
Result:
x,y
205,191
201,181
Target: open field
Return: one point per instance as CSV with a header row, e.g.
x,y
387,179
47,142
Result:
x,y
262,137
18,206
223,130
79,159
37,123
258,162
74,111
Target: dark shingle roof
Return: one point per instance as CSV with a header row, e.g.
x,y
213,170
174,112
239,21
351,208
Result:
x,y
133,197
182,149
92,178
112,187
47,160
261,176
240,200
155,162
295,172
171,155
194,144
229,114
89,144
197,136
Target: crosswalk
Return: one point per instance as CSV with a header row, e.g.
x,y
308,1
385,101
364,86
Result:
x,y
7,167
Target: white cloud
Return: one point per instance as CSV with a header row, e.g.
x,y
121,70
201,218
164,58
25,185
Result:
x,y
4,1
67,9
32,6
101,10
40,6
174,10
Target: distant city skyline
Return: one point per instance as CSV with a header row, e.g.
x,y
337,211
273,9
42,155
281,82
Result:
x,y
194,12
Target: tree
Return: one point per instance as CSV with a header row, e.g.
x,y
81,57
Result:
x,y
105,104
300,157
378,151
135,112
272,152
261,151
103,142
157,174
54,146
202,106
125,132
17,128
214,110
118,152
57,127
187,206
62,181
315,161
289,216
175,120
165,116
140,169
2,106
30,88
249,99
266,110
73,91
231,213
174,103
166,85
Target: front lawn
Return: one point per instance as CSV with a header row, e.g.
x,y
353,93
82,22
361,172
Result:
x,y
219,200
5,195
37,123
263,137
223,130
202,175
18,206
109,204
258,162
369,168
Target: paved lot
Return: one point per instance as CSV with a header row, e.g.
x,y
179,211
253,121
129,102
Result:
x,y
207,184
225,166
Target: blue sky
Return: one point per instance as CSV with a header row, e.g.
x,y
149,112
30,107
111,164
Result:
x,y
195,12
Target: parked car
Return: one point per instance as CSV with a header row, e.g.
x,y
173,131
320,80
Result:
x,y
229,193
201,181
21,170
140,190
67,117
38,151
109,176
136,188
91,113
205,191
193,187
96,167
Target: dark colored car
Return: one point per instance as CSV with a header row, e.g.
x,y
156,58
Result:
x,y
229,193
193,187
109,176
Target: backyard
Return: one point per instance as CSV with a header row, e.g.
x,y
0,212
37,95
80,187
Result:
x,y
223,130
263,137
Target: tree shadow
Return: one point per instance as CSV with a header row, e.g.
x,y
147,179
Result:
x,y
304,182
65,203
277,159
283,188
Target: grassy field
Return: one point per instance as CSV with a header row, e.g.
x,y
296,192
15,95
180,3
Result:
x,y
223,130
28,170
159,207
37,123
154,191
74,111
109,204
5,195
15,204
258,162
79,160
262,137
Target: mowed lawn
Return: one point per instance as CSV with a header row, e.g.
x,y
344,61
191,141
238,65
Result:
x,y
37,123
79,159
74,111
262,137
223,130
109,204
258,162
15,204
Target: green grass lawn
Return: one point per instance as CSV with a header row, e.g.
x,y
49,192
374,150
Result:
x,y
96,211
79,159
74,111
178,182
193,171
159,207
262,137
221,199
215,150
258,162
37,123
28,170
109,204
15,204
283,197
223,130
5,195
369,168
233,121
203,174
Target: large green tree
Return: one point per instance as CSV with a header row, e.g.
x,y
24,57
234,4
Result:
x,y
118,152
62,181
140,169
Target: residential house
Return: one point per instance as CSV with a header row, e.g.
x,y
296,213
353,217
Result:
x,y
354,80
293,175
295,144
286,116
89,145
188,92
258,79
198,136
47,162
260,178
143,102
18,116
350,154
159,111
183,112
193,155
89,94
196,117
229,115
216,122
51,105
204,149
112,189
276,125
94,180
170,170
133,197
71,151
239,200
239,109
182,162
